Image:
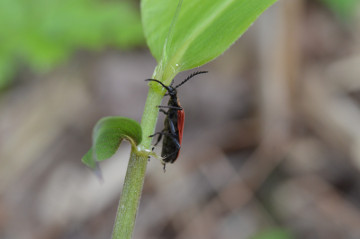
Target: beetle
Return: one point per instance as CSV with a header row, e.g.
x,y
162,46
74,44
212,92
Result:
x,y
174,122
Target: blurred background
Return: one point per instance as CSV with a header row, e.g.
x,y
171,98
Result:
x,y
271,148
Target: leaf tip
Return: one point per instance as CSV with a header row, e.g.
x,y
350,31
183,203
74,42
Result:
x,y
88,159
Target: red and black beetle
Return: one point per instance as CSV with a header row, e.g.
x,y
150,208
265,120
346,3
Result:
x,y
174,122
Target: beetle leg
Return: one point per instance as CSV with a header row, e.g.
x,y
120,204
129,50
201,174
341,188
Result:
x,y
163,111
155,134
170,107
161,133
174,139
172,127
178,146
164,168
158,139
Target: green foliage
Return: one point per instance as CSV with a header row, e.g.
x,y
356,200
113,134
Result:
x,y
201,30
43,33
108,134
274,233
345,9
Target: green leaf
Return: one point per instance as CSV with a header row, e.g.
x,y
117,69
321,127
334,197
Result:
x,y
203,29
108,134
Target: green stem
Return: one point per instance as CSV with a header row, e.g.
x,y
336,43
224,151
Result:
x,y
135,175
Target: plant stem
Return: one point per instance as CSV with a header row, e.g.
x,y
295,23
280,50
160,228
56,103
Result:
x,y
135,174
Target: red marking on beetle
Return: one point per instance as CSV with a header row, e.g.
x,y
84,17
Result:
x,y
174,122
181,123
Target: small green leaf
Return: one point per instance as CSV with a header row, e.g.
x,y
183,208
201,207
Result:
x,y
203,29
107,136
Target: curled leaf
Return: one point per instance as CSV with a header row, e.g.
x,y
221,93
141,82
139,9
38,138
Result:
x,y
108,134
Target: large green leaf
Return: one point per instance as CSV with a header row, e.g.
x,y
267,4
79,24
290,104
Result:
x,y
107,136
202,30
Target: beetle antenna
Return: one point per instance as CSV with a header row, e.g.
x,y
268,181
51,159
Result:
x,y
166,87
190,76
